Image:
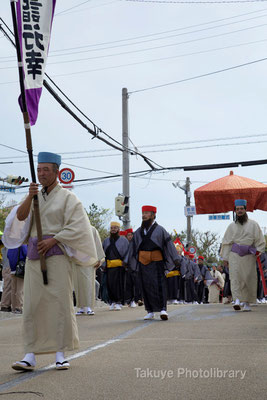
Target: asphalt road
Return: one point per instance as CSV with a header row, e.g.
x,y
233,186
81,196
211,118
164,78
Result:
x,y
201,352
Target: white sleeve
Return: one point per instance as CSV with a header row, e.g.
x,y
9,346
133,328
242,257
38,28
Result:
x,y
15,232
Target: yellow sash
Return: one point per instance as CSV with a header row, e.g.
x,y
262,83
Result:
x,y
172,273
114,263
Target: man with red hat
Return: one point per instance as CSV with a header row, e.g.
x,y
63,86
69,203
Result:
x,y
129,234
152,252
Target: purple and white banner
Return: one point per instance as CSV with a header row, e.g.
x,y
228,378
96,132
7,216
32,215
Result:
x,y
34,18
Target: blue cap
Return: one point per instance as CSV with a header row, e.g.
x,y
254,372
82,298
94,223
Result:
x,y
241,202
52,158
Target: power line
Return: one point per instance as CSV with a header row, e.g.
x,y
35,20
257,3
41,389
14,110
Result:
x,y
156,33
147,152
195,2
97,130
155,145
202,167
149,48
161,38
66,12
198,76
146,49
71,8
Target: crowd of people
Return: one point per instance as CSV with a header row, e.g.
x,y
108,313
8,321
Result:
x,y
130,268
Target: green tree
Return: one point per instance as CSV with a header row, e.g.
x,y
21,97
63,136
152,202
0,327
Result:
x,y
99,217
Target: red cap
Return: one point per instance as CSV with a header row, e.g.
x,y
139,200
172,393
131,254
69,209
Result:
x,y
191,255
149,208
200,257
130,230
186,253
123,233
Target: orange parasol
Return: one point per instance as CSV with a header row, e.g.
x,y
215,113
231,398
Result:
x,y
219,196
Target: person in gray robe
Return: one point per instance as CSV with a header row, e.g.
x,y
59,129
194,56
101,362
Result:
x,y
203,291
116,249
152,252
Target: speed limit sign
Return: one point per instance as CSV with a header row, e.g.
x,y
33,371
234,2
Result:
x,y
66,175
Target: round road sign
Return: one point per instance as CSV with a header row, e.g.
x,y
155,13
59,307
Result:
x,y
66,175
192,250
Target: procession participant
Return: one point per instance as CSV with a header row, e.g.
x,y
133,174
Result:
x,y
17,283
188,275
84,280
152,252
227,294
132,286
196,278
49,321
243,241
6,294
129,234
173,281
116,249
203,291
216,285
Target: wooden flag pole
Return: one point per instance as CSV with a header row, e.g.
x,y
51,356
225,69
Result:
x,y
27,127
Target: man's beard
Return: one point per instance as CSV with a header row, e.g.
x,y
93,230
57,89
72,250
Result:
x,y
114,235
147,223
242,218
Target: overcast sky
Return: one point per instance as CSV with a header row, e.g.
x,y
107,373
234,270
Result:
x,y
100,46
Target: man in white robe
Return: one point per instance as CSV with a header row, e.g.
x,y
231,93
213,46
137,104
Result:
x,y
216,285
84,280
49,322
242,243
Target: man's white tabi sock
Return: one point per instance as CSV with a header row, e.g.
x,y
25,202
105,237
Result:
x,y
60,357
30,358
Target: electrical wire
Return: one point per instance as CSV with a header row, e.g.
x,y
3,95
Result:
x,y
145,49
194,2
97,129
148,152
66,12
71,8
198,76
144,36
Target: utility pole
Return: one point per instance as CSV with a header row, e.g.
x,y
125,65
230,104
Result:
x,y
125,157
186,189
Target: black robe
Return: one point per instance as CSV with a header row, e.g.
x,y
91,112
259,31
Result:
x,y
152,276
116,249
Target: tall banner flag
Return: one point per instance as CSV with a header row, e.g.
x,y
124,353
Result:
x,y
34,19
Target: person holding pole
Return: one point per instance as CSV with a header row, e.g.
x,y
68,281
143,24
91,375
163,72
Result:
x,y
243,241
49,322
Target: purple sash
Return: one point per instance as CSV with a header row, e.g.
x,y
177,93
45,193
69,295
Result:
x,y
243,250
33,252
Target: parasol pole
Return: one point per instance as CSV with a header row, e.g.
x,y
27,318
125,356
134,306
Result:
x,y
27,127
262,276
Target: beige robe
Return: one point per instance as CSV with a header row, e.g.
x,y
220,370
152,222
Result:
x,y
214,291
49,321
84,277
242,270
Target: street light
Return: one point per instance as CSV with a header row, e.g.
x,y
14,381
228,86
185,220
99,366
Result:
x,y
186,189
